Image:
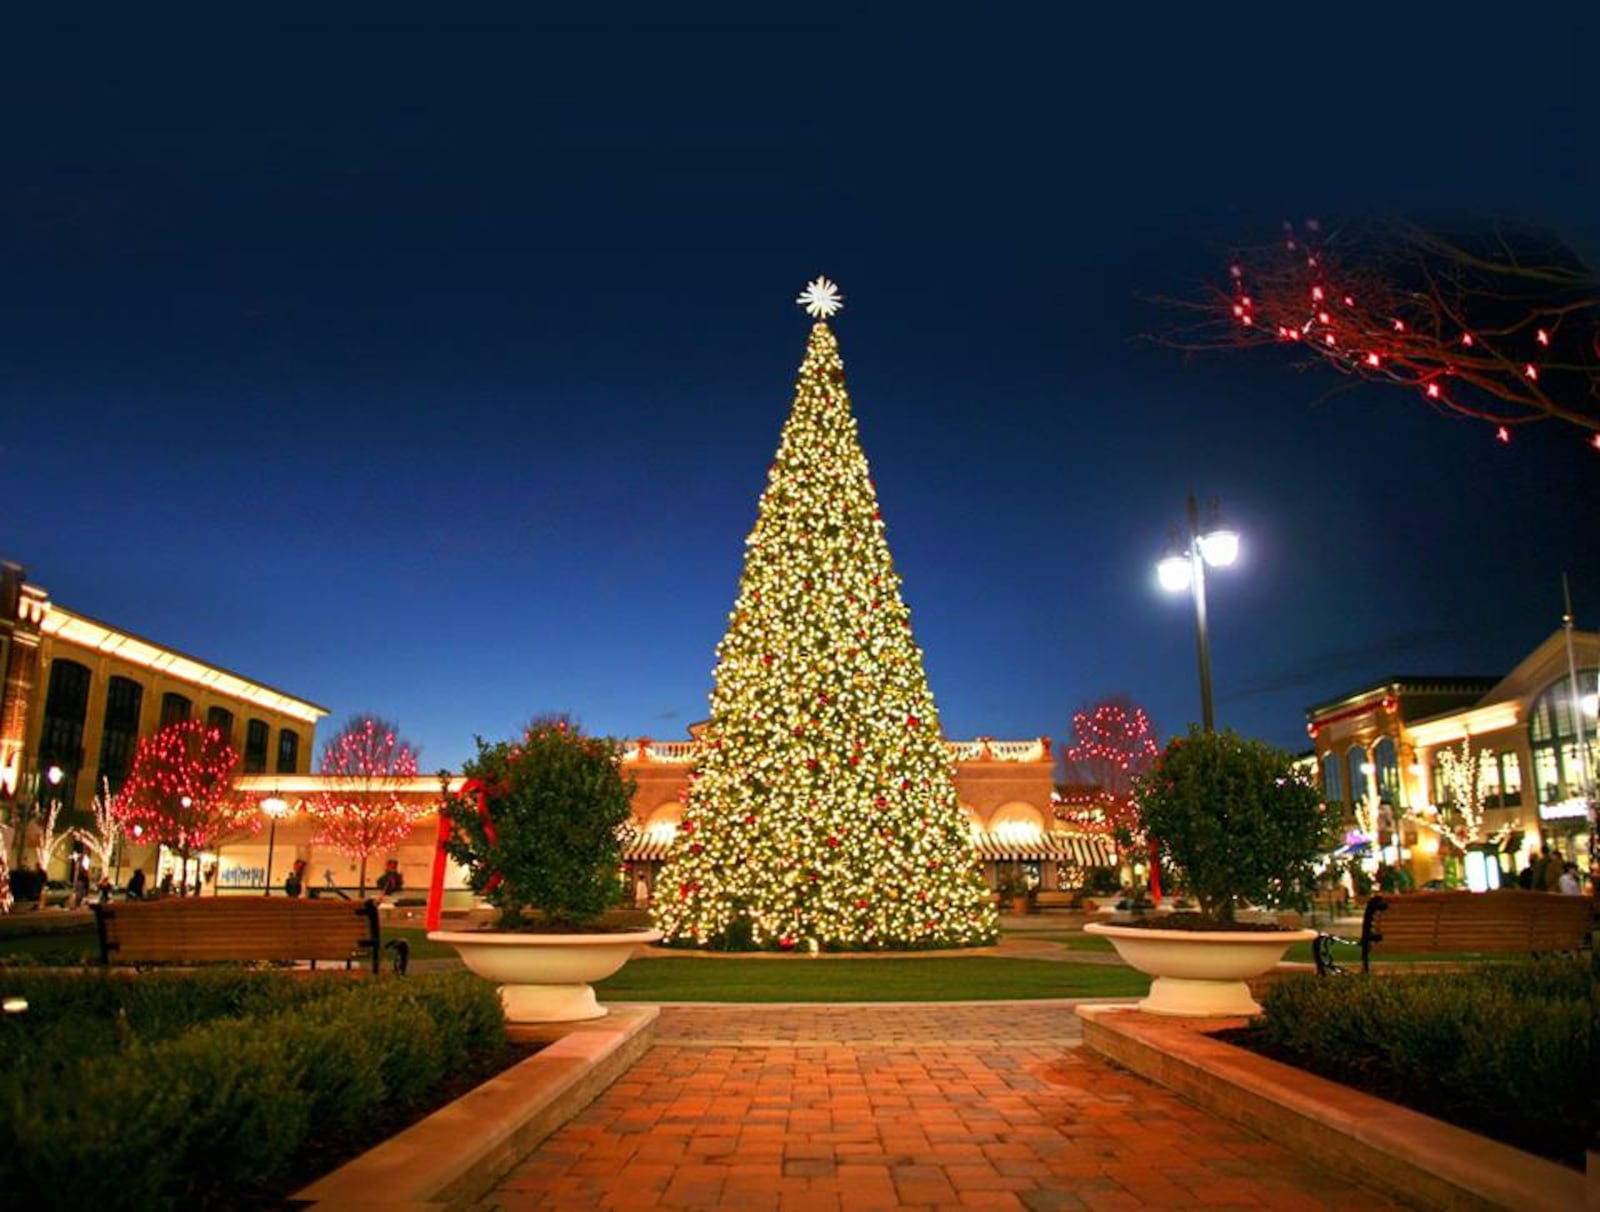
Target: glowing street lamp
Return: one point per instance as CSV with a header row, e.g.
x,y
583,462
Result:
x,y
1184,567
276,808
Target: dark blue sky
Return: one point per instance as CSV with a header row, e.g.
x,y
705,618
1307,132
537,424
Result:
x,y
438,375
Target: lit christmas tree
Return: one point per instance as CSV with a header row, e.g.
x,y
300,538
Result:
x,y
822,808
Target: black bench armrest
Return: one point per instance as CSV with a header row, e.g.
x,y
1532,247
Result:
x,y
1322,952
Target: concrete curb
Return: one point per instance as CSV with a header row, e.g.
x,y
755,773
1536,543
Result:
x,y
1365,1139
455,1156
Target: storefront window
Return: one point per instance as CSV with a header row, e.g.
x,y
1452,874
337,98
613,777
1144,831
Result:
x,y
1357,757
1332,780
1387,761
1511,780
1553,735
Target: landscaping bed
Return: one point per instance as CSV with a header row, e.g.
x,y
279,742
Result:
x,y
227,1087
1501,1049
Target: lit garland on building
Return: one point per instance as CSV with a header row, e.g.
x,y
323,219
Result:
x,y
179,791
822,808
360,813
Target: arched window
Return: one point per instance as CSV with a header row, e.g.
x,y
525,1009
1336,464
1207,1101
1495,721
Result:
x,y
1387,761
221,719
66,704
1332,779
1553,738
175,709
256,734
288,750
119,736
1358,759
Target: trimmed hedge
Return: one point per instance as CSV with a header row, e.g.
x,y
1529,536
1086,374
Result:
x,y
1500,1048
173,1089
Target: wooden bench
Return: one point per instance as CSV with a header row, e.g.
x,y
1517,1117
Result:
x,y
1509,922
1058,898
207,929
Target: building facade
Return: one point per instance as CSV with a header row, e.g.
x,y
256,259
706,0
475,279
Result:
x,y
1004,787
1516,769
77,695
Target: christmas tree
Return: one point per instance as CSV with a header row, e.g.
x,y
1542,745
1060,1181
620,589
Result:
x,y
822,809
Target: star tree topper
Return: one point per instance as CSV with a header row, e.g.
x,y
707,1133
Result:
x,y
821,298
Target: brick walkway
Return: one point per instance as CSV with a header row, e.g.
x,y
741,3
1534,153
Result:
x,y
865,1107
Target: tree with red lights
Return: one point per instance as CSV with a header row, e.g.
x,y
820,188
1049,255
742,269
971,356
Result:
x,y
179,792
360,811
1110,745
1500,324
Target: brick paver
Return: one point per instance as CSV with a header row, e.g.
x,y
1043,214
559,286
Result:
x,y
857,1108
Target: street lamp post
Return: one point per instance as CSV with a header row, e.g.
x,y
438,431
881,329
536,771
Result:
x,y
276,808
1184,567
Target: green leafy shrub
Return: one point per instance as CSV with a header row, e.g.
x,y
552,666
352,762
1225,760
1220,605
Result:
x,y
557,802
1499,1048
1236,819
112,1102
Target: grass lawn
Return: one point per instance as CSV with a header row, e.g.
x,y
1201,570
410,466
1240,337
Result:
x,y
803,979
1074,941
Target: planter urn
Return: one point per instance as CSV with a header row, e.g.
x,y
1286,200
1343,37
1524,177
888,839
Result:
x,y
545,978
1200,973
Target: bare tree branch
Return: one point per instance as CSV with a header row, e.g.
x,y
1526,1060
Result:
x,y
1498,322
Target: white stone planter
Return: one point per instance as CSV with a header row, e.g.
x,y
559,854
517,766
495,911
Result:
x,y
1200,973
544,978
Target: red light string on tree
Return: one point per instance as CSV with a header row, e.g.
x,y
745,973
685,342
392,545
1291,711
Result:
x,y
1502,326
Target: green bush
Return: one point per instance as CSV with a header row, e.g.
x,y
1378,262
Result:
x,y
1501,1048
112,1101
1236,819
557,802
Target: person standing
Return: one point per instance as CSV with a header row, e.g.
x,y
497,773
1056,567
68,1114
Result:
x,y
1569,884
294,883
1547,876
136,885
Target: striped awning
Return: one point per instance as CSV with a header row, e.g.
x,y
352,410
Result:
x,y
1080,850
646,850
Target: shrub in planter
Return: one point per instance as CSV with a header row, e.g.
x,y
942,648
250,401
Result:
x,y
1236,820
1497,1048
549,835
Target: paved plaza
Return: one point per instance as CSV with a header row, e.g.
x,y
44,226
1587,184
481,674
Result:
x,y
926,1106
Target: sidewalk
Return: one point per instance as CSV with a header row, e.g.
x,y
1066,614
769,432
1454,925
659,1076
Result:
x,y
866,1107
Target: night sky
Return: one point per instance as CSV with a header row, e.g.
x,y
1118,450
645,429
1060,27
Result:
x,y
438,375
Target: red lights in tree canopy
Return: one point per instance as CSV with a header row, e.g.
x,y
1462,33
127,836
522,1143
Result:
x,y
179,791
360,812
1110,745
1510,316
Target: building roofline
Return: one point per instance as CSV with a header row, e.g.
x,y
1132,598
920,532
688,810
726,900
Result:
x,y
88,632
1404,683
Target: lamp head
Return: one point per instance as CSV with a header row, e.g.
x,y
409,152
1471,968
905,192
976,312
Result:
x,y
1174,573
54,775
275,806
1219,548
